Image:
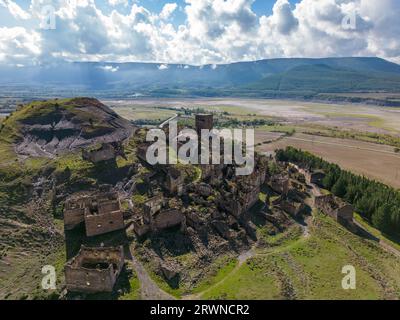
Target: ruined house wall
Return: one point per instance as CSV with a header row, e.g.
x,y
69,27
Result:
x,y
175,186
73,218
103,223
251,199
294,209
280,185
74,212
112,255
323,203
233,207
140,227
153,205
346,213
335,208
89,280
110,206
315,178
168,219
80,278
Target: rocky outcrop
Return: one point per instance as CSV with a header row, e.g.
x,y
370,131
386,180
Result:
x,y
51,128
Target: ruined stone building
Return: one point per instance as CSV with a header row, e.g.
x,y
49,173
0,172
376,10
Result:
x,y
244,191
158,215
315,177
74,211
107,152
295,209
101,213
280,184
174,181
105,215
335,207
94,270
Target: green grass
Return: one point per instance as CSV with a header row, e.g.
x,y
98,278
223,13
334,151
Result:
x,y
221,268
375,232
282,240
311,269
134,290
249,282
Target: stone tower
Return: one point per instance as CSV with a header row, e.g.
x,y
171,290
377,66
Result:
x,y
204,121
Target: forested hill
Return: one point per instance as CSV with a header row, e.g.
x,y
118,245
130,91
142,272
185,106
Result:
x,y
259,78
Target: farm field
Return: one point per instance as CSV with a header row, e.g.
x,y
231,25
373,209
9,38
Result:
x,y
375,161
349,116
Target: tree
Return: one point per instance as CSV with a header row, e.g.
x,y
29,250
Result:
x,y
339,188
381,218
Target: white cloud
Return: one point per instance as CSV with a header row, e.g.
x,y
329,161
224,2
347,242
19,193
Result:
x,y
168,10
114,3
15,10
163,67
109,68
18,45
215,31
283,18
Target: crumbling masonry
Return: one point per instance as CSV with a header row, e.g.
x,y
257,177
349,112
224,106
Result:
x,y
101,213
94,270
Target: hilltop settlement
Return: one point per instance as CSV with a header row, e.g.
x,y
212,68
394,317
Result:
x,y
207,208
119,212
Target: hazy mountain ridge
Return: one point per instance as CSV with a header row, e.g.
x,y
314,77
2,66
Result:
x,y
308,76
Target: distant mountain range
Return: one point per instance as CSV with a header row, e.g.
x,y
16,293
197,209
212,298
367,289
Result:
x,y
258,78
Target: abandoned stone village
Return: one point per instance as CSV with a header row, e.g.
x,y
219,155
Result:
x,y
205,208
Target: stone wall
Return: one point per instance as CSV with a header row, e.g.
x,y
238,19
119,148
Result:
x,y
315,177
295,209
280,184
94,270
74,211
100,212
335,207
97,224
174,182
153,205
168,219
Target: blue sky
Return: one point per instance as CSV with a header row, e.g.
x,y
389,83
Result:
x,y
197,31
260,7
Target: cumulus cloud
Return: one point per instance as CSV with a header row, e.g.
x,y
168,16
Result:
x,y
163,67
283,18
168,10
18,45
15,10
114,3
214,31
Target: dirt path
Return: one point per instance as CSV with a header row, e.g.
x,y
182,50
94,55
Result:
x,y
246,255
242,258
149,290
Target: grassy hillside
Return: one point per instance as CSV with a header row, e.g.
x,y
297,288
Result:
x,y
324,78
310,268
